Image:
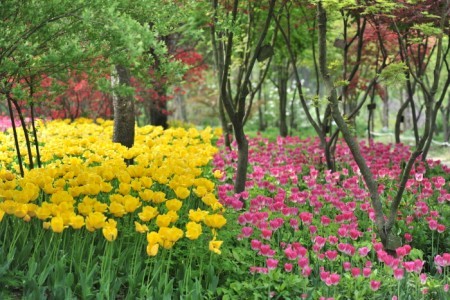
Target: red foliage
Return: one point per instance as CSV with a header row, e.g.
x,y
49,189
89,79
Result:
x,y
194,61
73,98
78,96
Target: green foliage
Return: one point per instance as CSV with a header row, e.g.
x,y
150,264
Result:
x,y
384,7
428,29
336,5
53,36
394,73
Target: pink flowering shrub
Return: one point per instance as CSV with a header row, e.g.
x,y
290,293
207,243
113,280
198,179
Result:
x,y
305,225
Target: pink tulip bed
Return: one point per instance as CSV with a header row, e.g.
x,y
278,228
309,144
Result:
x,y
305,232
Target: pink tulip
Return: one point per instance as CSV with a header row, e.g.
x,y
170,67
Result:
x,y
356,272
346,265
271,263
375,285
288,267
363,251
398,274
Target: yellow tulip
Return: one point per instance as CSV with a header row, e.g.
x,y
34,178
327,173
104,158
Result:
x,y
167,244
32,209
95,221
124,177
215,221
174,204
218,131
200,191
163,220
136,185
131,203
154,238
159,197
169,236
61,196
209,199
92,189
136,171
21,210
57,224
215,245
146,182
2,214
105,187
46,225
117,209
148,213
182,192
66,215
173,216
75,191
43,213
218,174
217,205
146,195
100,207
208,184
110,233
197,215
152,249
76,221
9,206
193,230
124,188
84,208
140,228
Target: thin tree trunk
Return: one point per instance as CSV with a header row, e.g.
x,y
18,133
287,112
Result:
x,y
36,142
16,138
262,125
25,133
435,112
282,94
385,111
399,120
342,125
445,111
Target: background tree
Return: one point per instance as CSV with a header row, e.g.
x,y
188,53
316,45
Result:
x,y
230,53
383,222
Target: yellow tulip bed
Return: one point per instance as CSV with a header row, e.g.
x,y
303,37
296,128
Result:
x,y
168,192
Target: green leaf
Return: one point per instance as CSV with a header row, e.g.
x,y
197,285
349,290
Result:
x,y
394,74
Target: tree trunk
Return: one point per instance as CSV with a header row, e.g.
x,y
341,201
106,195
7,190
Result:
x,y
242,163
227,128
385,111
346,133
262,108
180,103
434,115
445,122
158,108
282,93
124,117
399,120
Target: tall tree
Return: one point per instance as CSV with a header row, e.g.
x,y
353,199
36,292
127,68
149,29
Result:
x,y
226,46
384,222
